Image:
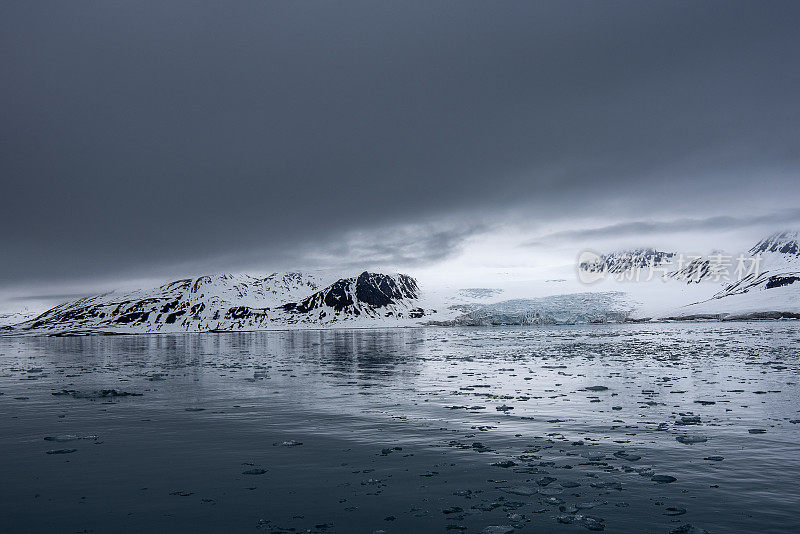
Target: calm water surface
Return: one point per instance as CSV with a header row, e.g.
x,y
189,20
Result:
x,y
626,428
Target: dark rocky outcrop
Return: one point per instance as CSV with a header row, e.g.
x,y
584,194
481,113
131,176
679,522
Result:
x,y
367,292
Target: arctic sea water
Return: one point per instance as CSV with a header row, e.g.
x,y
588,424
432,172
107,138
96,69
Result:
x,y
680,427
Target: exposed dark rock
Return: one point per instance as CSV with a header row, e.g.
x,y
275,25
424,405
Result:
x,y
779,281
368,291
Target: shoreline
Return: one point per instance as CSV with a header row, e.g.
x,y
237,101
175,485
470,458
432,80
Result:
x,y
754,317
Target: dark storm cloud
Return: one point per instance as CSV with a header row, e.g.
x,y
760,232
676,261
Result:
x,y
387,247
140,136
409,245
645,228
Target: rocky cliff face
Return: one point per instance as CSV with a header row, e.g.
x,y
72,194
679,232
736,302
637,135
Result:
x,y
366,294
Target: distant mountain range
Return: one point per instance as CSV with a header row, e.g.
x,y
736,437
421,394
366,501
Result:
x,y
759,284
305,300
779,250
624,261
772,290
779,265
239,302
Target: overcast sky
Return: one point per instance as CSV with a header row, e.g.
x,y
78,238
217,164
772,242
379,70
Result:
x,y
149,140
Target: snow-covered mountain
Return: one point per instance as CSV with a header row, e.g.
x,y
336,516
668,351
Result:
x,y
238,302
368,295
769,288
778,265
782,244
757,283
624,261
644,264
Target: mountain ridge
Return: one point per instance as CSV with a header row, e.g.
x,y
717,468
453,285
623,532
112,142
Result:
x,y
235,302
288,300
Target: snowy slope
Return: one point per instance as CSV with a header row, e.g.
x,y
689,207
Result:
x,y
666,284
771,291
11,318
238,302
648,263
